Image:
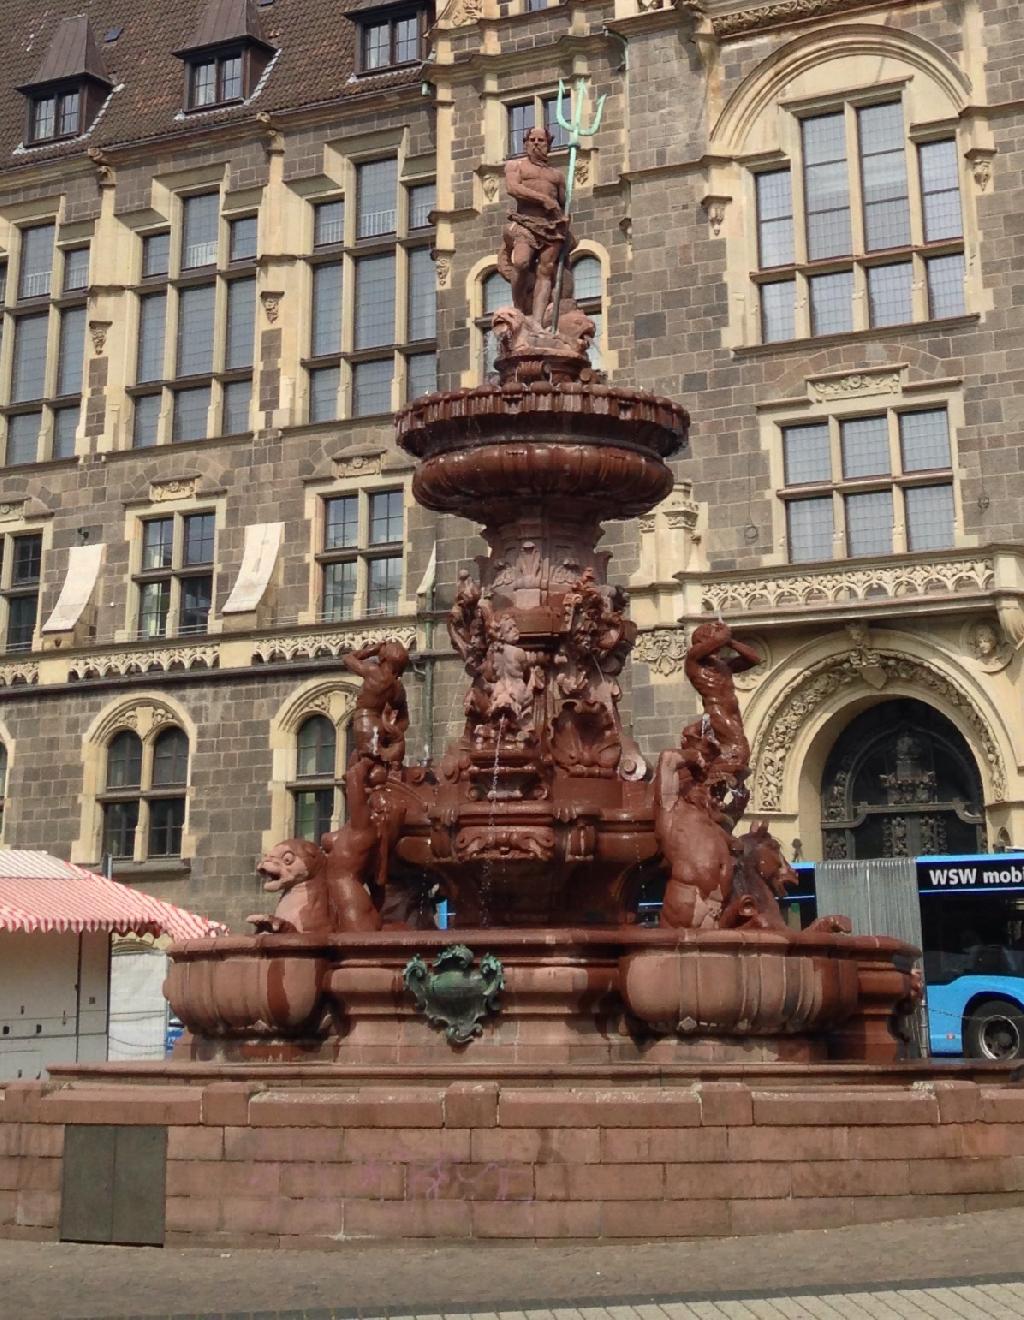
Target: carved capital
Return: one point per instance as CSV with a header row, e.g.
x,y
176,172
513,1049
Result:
x,y
715,208
443,267
271,300
98,334
980,159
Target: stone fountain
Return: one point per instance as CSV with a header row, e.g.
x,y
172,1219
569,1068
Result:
x,y
549,1067
540,822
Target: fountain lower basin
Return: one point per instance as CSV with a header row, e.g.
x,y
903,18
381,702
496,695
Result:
x,y
571,995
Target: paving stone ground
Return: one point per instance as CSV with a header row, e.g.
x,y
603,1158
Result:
x,y
961,1267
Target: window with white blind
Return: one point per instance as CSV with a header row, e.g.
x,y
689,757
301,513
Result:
x,y
197,329
372,258
44,391
876,484
861,230
362,554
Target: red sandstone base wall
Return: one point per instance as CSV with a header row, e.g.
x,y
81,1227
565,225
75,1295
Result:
x,y
316,1165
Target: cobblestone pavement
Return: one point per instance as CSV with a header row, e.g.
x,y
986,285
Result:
x,y
963,1267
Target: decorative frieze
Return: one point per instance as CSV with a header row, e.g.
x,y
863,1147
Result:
x,y
357,465
838,586
335,642
18,674
742,21
145,660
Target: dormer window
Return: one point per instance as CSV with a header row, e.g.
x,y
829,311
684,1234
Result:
x,y
391,37
226,57
69,87
216,81
57,115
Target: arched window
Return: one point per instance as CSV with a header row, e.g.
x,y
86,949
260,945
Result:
x,y
496,292
144,795
585,284
319,777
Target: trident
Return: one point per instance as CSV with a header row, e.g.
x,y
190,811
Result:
x,y
574,127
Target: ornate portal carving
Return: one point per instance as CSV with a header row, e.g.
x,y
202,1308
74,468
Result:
x,y
821,681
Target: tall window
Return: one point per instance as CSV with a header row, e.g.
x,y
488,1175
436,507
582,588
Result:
x,y
362,554
539,109
196,344
143,797
45,390
174,581
870,485
353,363
320,755
20,575
862,230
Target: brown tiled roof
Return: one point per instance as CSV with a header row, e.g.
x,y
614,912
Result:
x,y
226,20
315,64
71,53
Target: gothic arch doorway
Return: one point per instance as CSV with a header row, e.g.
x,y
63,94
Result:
x,y
901,782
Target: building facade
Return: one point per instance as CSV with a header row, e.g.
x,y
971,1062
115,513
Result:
x,y
239,235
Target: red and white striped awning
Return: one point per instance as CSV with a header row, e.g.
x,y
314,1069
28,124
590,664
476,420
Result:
x,y
41,893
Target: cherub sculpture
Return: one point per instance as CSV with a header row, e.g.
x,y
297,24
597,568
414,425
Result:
x,y
382,709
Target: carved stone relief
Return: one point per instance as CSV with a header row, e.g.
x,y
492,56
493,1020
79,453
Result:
x,y
148,660
985,642
663,649
181,488
268,649
857,385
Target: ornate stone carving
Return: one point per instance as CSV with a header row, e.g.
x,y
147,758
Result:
x,y
985,642
180,488
821,681
98,334
442,266
491,186
271,300
755,675
781,12
144,660
11,511
858,384
452,993
357,465
463,12
14,675
980,159
582,170
305,646
663,649
714,209
832,586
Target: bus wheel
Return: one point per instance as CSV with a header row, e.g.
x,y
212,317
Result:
x,y
994,1029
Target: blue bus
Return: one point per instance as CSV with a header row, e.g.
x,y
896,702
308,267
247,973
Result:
x,y
972,923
